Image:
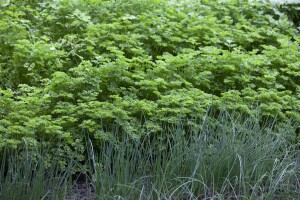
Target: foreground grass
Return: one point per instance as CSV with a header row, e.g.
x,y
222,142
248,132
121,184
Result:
x,y
222,158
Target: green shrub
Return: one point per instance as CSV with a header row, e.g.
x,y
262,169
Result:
x,y
69,67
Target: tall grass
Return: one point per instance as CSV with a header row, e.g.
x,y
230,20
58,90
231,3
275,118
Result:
x,y
227,157
24,176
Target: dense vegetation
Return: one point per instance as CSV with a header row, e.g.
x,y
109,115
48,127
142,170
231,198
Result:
x,y
224,159
80,75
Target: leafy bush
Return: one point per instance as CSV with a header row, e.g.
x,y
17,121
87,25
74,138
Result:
x,y
69,67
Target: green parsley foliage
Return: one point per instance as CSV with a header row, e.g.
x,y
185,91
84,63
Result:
x,y
72,67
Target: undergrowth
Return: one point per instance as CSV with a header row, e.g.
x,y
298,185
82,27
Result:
x,y
225,157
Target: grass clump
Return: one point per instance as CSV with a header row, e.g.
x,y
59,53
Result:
x,y
24,175
225,157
